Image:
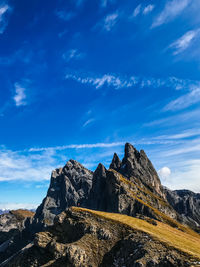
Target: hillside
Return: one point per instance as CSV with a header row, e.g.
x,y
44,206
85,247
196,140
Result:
x,y
82,237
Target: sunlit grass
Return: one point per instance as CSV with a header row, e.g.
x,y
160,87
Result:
x,y
186,242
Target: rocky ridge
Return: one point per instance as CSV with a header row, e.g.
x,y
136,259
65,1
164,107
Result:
x,y
79,238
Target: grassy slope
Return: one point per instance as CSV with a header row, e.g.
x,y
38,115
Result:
x,y
147,202
22,214
186,242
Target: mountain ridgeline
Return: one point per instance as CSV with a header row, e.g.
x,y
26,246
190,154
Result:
x,y
77,222
130,187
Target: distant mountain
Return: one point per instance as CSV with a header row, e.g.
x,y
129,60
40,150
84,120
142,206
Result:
x,y
130,186
3,211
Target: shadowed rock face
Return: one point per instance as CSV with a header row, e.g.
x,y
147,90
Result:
x,y
187,204
11,224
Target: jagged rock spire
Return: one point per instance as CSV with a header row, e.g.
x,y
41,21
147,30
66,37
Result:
x,y
100,170
116,162
136,164
130,151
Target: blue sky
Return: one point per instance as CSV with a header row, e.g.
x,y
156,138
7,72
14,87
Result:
x,y
81,78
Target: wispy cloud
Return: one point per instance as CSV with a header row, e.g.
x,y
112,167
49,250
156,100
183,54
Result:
x,y
108,23
184,101
65,15
77,146
118,82
181,135
171,10
88,122
137,10
20,95
104,3
107,79
5,10
170,121
190,147
184,41
148,9
73,54
144,10
23,166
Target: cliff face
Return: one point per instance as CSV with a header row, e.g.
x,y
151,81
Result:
x,y
136,165
187,204
130,186
69,186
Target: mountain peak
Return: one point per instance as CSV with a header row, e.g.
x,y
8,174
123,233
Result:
x,y
100,170
116,162
130,151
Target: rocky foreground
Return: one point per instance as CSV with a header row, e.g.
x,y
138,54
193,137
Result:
x,y
82,238
58,235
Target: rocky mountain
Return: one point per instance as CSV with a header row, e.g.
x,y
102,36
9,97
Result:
x,y
130,186
187,204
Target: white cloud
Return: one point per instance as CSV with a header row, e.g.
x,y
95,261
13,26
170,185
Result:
x,y
186,149
73,54
77,146
172,9
137,11
26,166
181,135
184,101
184,42
106,79
88,122
185,176
64,15
118,82
164,173
175,119
148,9
15,206
110,21
20,95
4,12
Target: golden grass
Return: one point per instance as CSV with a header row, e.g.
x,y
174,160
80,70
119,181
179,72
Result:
x,y
160,214
185,242
22,214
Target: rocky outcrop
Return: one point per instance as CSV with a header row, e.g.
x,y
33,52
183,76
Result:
x,y
136,165
80,238
11,224
187,204
69,186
